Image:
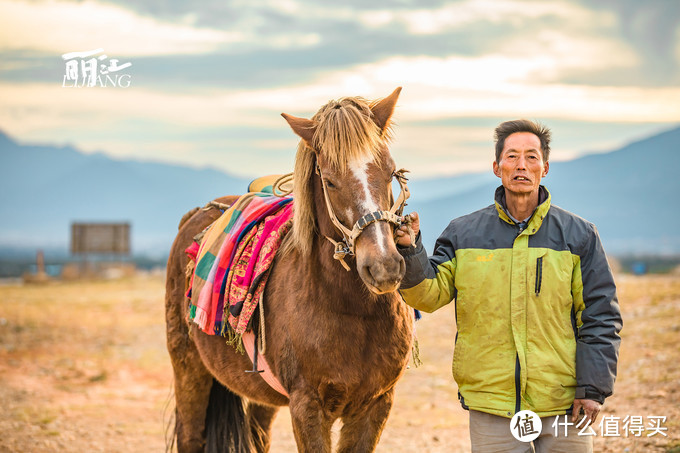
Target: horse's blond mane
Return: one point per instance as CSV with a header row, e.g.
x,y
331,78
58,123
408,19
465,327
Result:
x,y
345,132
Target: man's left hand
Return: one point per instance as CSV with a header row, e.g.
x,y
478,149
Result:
x,y
590,408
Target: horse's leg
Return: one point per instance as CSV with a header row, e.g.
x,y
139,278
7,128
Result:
x,y
192,394
192,379
361,432
311,426
261,419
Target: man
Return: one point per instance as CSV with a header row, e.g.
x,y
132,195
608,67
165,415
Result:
x,y
536,307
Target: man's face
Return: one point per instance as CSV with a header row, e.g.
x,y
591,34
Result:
x,y
521,165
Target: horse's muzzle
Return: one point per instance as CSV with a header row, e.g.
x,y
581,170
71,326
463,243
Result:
x,y
383,275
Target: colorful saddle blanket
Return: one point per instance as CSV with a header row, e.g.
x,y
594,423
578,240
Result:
x,y
233,260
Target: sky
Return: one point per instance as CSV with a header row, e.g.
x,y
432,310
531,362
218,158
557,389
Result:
x,y
205,82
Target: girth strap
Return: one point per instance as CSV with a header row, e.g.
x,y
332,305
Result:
x,y
250,346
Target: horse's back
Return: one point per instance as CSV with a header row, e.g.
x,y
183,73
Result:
x,y
191,224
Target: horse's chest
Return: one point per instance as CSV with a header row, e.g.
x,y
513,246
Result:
x,y
366,367
361,354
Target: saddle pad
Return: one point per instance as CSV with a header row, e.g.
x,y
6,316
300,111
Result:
x,y
233,260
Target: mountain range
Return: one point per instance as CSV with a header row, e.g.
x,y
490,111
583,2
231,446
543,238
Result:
x,y
45,188
628,193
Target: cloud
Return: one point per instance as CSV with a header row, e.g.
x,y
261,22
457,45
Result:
x,y
201,76
66,26
491,85
435,90
443,149
458,14
559,51
677,44
432,19
27,107
496,85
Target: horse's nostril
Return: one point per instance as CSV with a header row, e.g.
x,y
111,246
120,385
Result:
x,y
396,266
367,271
387,271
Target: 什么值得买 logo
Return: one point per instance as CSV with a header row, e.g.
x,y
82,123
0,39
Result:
x,y
86,69
525,426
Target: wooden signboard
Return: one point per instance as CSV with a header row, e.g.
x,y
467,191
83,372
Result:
x,y
102,238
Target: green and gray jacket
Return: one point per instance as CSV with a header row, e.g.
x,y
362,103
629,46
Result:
x,y
536,308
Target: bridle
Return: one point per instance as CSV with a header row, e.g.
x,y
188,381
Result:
x,y
345,247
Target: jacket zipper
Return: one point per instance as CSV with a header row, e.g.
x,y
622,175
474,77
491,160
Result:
x,y
539,274
518,396
518,388
522,226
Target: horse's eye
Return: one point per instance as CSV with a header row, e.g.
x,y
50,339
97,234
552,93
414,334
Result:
x,y
329,184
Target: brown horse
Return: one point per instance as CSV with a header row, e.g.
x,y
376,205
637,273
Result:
x,y
337,340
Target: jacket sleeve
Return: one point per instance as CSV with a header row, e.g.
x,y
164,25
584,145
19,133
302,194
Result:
x,y
598,321
429,282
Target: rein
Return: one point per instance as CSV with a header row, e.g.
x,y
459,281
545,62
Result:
x,y
345,247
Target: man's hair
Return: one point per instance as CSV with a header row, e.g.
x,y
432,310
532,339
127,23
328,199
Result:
x,y
507,128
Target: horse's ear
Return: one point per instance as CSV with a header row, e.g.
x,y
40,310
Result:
x,y
382,111
302,126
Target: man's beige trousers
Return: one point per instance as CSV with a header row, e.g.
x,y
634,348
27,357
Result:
x,y
491,434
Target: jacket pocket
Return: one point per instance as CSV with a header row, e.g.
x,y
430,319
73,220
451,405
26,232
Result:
x,y
539,275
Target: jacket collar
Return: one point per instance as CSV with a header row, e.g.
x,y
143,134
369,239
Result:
x,y
536,218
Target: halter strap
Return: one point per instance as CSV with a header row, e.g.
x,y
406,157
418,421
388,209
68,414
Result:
x,y
346,246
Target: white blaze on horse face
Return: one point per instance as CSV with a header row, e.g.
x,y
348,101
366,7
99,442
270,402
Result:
x,y
360,171
349,214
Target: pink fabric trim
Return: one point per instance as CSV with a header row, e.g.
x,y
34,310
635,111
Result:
x,y
249,343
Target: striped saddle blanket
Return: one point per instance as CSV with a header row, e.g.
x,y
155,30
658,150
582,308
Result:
x,y
233,258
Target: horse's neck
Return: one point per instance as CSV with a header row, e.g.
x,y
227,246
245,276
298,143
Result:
x,y
343,290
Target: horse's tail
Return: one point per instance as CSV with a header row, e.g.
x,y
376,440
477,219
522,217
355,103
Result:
x,y
227,426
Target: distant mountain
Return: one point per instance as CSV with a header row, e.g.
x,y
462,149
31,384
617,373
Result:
x,y
44,188
630,195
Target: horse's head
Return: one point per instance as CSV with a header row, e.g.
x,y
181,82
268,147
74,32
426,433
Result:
x,y
344,165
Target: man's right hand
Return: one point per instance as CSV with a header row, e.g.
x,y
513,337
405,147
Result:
x,y
403,235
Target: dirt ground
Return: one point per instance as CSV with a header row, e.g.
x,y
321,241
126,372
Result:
x,y
83,367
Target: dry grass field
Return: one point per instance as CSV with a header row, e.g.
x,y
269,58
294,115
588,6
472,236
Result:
x,y
83,367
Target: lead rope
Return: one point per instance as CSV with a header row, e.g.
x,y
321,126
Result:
x,y
408,221
400,203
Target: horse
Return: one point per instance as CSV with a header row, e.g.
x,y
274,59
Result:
x,y
339,336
